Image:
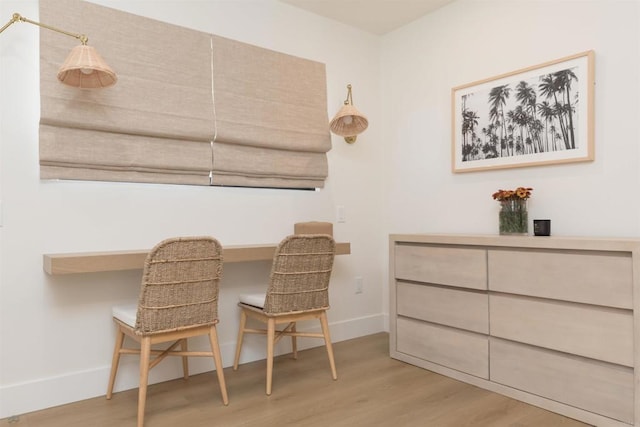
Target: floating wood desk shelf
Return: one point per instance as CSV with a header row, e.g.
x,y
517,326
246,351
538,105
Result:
x,y
93,262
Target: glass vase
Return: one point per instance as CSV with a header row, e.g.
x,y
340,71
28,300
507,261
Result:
x,y
513,219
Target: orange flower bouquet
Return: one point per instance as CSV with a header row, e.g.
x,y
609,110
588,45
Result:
x,y
519,193
513,217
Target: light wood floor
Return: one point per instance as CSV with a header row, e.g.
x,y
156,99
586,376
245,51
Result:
x,y
372,390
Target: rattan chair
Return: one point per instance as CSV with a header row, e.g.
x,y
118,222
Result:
x,y
297,290
178,300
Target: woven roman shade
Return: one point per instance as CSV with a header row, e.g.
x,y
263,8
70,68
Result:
x,y
154,125
270,118
188,108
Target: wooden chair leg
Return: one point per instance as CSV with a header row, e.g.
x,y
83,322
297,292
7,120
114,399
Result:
x,y
243,323
115,361
327,342
271,334
217,360
294,342
185,359
145,354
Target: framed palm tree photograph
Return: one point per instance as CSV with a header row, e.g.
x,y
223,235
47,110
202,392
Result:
x,y
538,115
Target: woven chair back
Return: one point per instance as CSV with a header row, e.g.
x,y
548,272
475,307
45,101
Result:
x,y
299,279
180,285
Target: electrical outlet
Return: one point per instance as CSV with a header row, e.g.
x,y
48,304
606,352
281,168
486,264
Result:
x,y
359,285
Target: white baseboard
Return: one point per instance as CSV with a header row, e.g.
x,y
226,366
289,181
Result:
x,y
16,399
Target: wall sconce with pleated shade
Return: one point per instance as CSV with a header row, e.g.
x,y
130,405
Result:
x,y
84,67
349,122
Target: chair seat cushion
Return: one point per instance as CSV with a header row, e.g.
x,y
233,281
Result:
x,y
256,300
126,313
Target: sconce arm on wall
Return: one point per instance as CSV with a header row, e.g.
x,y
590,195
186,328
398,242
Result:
x,y
84,67
349,122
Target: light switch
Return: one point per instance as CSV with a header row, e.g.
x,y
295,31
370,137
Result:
x,y
341,215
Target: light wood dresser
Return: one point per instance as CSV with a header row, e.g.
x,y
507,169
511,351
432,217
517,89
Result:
x,y
551,321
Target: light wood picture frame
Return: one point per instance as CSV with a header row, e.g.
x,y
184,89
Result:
x,y
538,115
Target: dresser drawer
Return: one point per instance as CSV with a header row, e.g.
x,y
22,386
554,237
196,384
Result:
x,y
589,277
596,386
446,306
454,348
597,332
460,267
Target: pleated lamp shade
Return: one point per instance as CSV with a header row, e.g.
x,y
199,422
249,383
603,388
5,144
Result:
x,y
348,122
85,68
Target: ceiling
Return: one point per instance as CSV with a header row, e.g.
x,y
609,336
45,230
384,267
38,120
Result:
x,y
374,16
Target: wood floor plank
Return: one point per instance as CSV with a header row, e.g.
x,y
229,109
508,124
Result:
x,y
372,390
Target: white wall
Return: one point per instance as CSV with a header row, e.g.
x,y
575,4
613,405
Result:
x,y
396,178
471,40
56,333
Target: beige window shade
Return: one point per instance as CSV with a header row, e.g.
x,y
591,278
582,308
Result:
x,y
104,156
154,125
188,108
270,118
